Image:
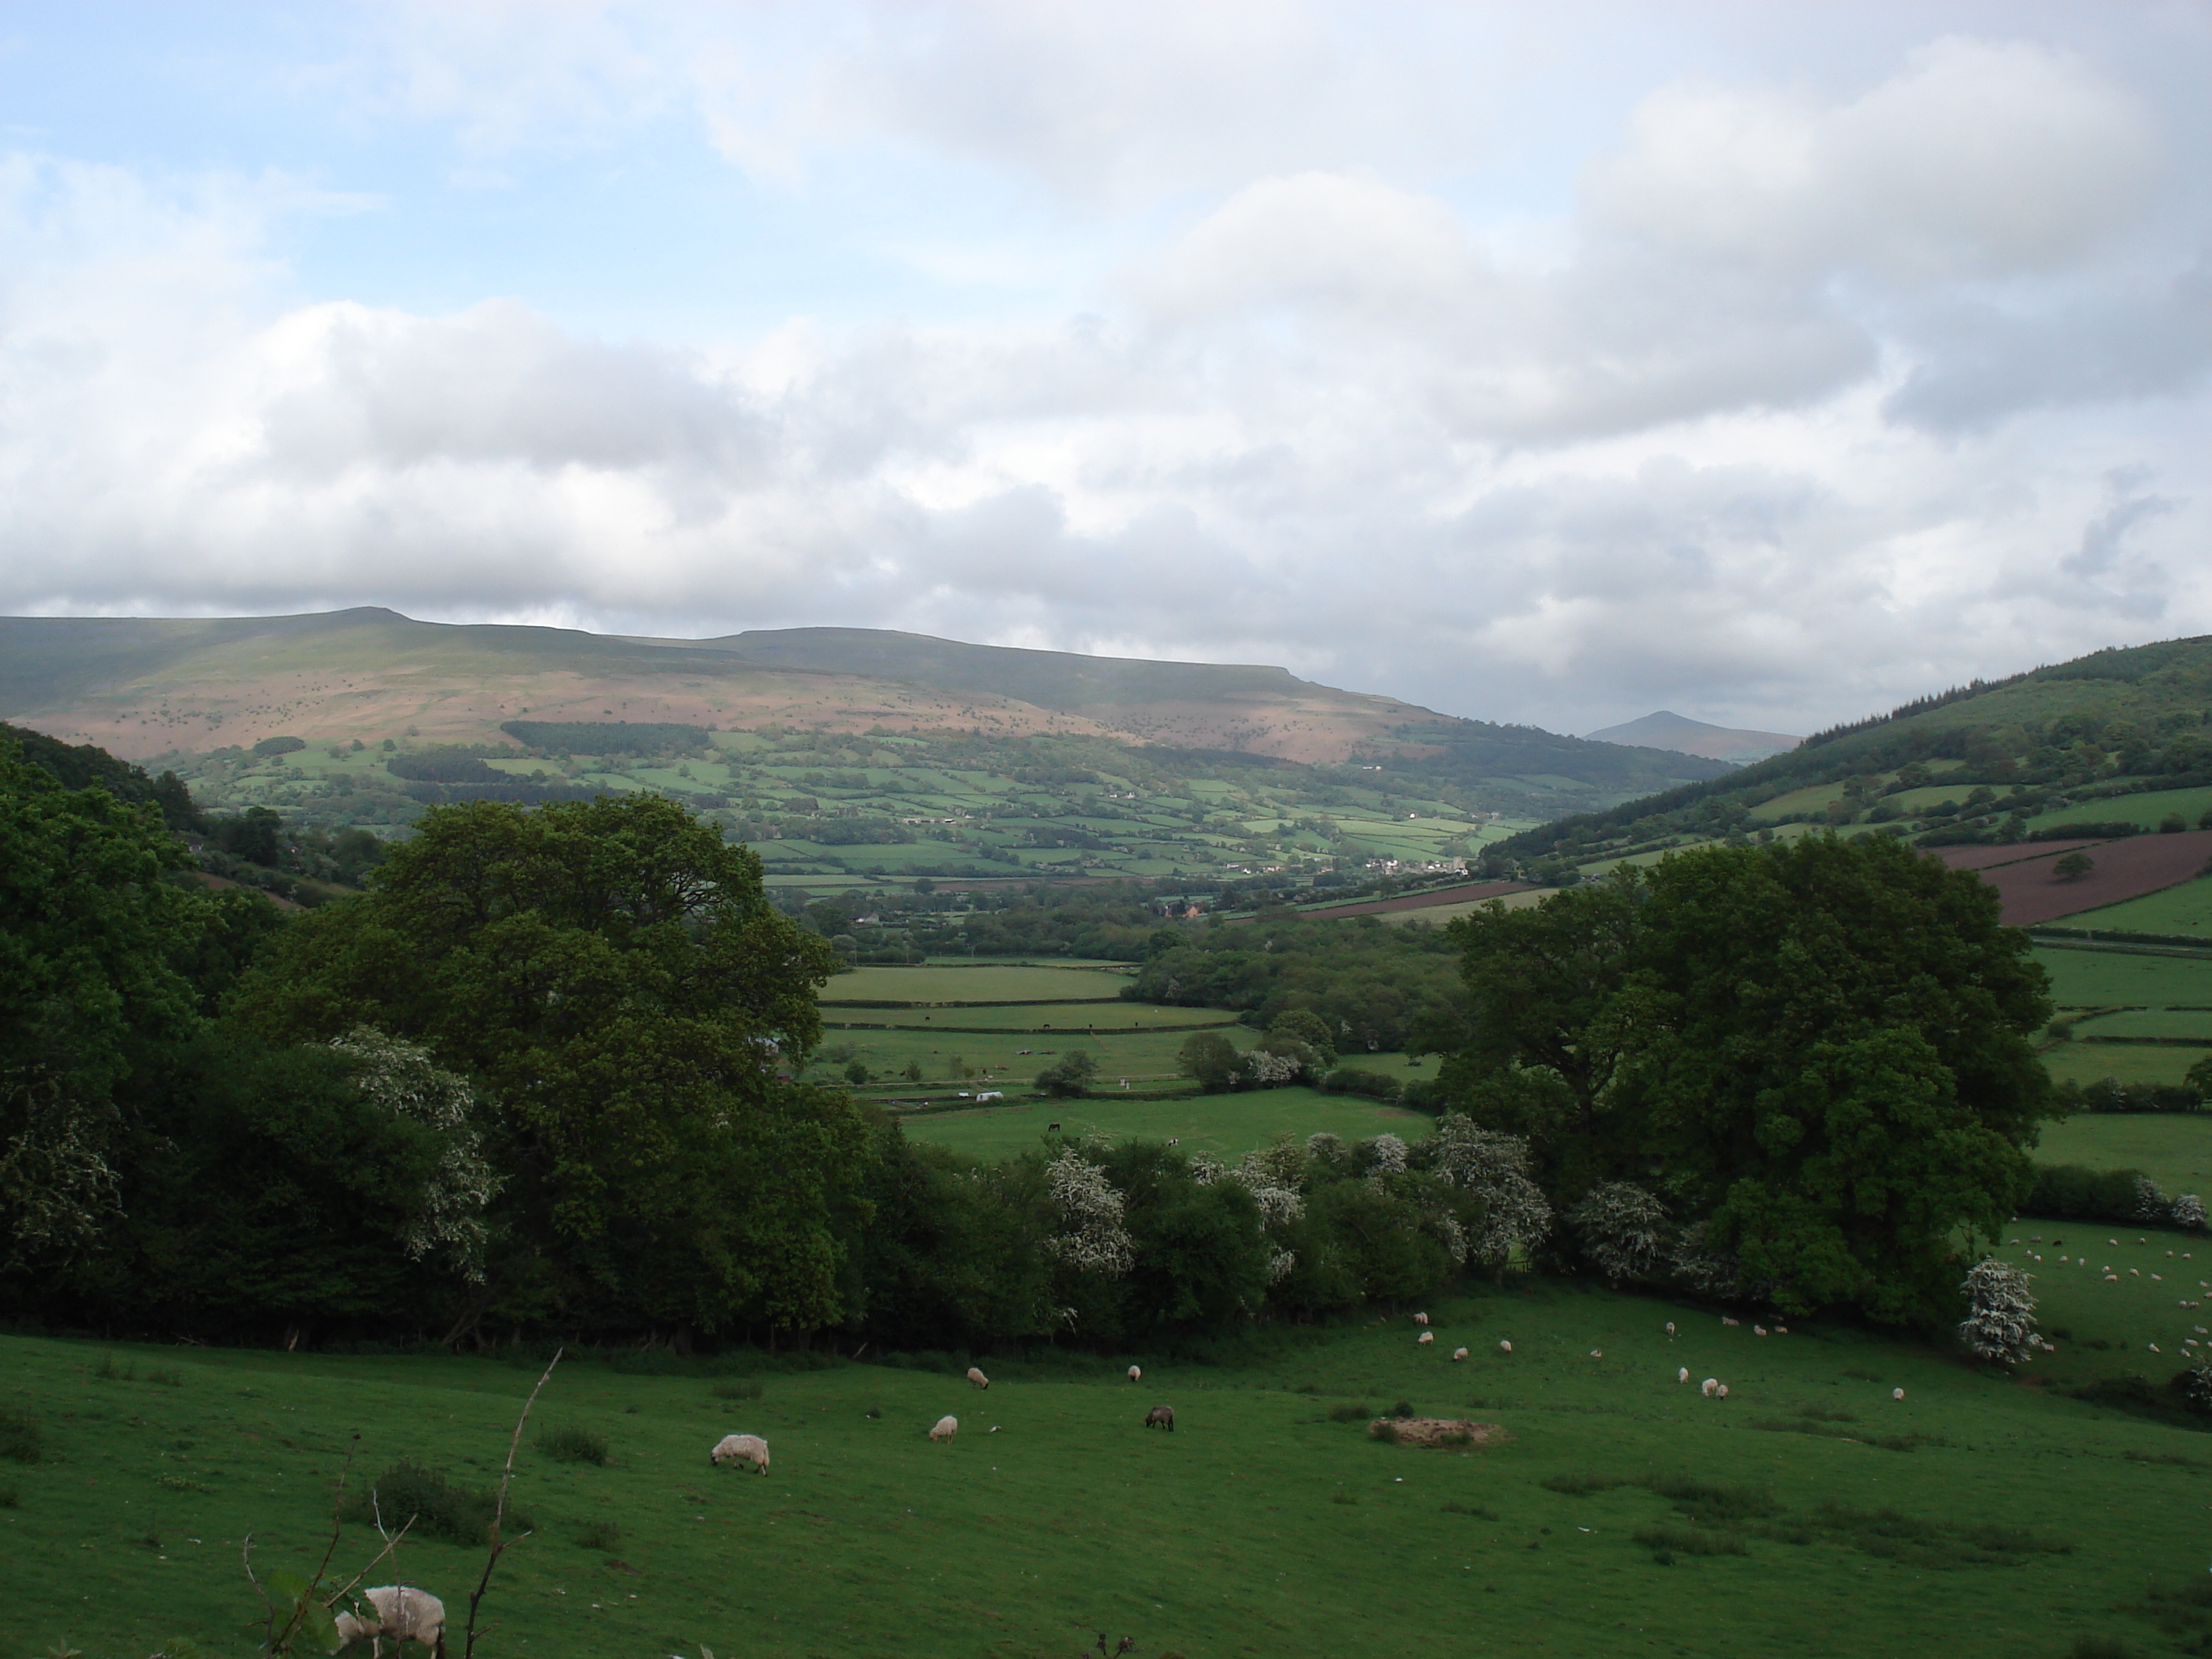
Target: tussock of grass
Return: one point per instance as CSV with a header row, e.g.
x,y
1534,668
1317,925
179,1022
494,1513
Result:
x,y
1349,1413
1896,1443
1581,1485
20,1439
1473,1510
571,1444
1685,1541
1711,1504
440,1509
599,1535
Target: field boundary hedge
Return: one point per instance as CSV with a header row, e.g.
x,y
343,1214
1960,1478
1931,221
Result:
x,y
1021,1031
1001,1002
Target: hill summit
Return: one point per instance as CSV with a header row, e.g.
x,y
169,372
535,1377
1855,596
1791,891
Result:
x,y
1684,736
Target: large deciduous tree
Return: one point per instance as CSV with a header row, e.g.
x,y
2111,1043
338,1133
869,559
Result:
x,y
611,978
1821,1050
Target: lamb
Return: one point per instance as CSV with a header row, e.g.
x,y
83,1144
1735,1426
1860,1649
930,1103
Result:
x,y
945,1428
1425,1338
739,1449
1597,1354
404,1613
1707,1386
1420,1319
1161,1417
978,1378
1458,1354
1136,1374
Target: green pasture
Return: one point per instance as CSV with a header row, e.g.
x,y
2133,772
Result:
x,y
2125,1062
2172,1148
2147,809
1809,1513
2195,1022
2104,979
1227,1126
2186,909
1014,1056
1007,983
1039,1016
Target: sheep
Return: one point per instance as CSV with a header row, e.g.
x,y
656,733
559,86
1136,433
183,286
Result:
x,y
945,1428
1505,1347
1136,1373
1721,1392
739,1449
404,1615
1759,1330
1670,1327
1425,1339
1683,1375
1897,1394
978,1378
1161,1417
1725,1320
1707,1386
1420,1319
1597,1354
1458,1354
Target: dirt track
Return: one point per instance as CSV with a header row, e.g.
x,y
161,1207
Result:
x,y
2124,870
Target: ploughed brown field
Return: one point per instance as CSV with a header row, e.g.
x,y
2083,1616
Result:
x,y
2124,869
2018,852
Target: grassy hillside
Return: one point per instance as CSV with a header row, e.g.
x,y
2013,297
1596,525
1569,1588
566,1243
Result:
x,y
1626,1514
2117,736
839,751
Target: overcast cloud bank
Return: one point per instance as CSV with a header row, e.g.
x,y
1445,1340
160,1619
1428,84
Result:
x,y
1773,388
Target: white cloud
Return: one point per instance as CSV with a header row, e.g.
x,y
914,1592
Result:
x,y
1815,396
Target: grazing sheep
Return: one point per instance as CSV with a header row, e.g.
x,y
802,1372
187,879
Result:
x,y
1420,1319
1781,1330
740,1448
1161,1417
1725,1320
1424,1338
1597,1354
1759,1330
1505,1347
1136,1374
404,1613
1458,1354
978,1378
1683,1375
945,1428
1721,1392
1707,1386
1670,1327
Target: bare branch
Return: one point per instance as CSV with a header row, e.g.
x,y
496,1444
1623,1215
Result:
x,y
499,1512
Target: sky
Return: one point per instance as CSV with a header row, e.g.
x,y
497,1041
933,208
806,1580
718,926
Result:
x,y
1772,364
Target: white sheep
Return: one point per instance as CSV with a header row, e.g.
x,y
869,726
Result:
x,y
977,1377
1597,1354
1759,1330
1670,1327
1725,1320
1505,1347
1897,1394
1721,1392
1707,1386
1420,1319
945,1428
404,1613
1458,1354
1136,1374
1683,1375
1425,1338
740,1448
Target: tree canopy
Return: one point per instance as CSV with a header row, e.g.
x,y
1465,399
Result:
x,y
611,978
1822,1049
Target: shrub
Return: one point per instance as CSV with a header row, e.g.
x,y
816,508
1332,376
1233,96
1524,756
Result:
x,y
570,1444
1621,1228
2188,1212
2072,866
1353,1080
1384,1430
2000,1321
439,1508
1071,1078
20,1438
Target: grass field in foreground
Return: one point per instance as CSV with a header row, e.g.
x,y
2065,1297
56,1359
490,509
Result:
x,y
1980,1516
2172,1148
1227,1126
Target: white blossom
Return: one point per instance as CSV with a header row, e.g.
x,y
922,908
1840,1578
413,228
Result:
x,y
1325,1146
2188,1211
1091,1237
1705,1270
57,1188
1280,1266
1493,1169
1621,1227
2150,1202
2000,1321
1389,1154
400,1077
